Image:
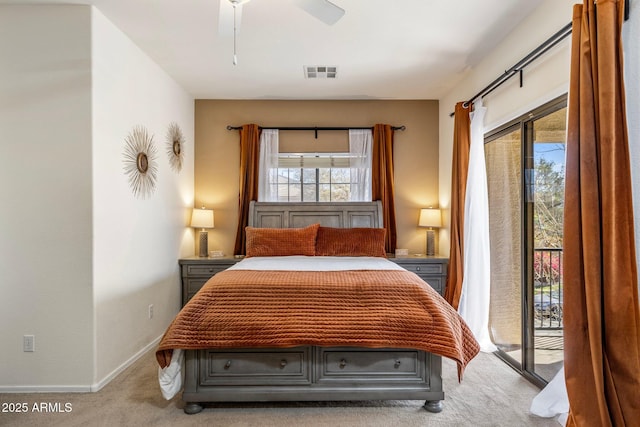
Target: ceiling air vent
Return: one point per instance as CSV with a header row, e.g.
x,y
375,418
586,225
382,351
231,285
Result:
x,y
320,72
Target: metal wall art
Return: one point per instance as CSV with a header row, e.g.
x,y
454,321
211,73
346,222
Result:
x,y
175,147
140,163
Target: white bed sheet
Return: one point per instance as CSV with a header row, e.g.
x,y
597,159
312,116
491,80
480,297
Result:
x,y
170,378
315,263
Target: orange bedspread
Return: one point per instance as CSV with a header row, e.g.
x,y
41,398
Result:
x,y
375,309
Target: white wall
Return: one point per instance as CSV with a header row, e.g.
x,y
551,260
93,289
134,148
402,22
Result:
x,y
81,258
545,79
137,242
631,43
45,193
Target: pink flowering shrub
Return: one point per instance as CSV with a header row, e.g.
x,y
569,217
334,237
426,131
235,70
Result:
x,y
547,267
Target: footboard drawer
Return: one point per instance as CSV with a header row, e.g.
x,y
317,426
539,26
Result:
x,y
256,367
371,365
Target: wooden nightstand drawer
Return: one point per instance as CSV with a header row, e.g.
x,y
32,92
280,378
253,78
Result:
x,y
422,268
432,270
197,271
436,282
206,270
194,285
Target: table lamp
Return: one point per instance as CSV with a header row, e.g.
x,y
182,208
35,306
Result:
x,y
202,218
430,218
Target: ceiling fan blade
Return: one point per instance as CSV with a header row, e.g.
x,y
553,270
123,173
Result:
x,y
323,10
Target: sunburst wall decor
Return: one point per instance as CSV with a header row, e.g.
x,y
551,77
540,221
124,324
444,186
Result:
x,y
140,163
175,147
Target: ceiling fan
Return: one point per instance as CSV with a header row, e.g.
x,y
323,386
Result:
x,y
323,10
231,13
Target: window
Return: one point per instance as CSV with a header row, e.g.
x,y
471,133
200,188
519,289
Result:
x,y
315,177
305,177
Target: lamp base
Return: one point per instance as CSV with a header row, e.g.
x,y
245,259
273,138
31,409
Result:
x,y
204,244
431,242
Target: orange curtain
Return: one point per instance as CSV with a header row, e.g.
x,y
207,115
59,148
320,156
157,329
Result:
x,y
249,161
459,170
382,180
601,312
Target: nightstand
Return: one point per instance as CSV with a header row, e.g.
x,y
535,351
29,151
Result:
x,y
432,270
195,272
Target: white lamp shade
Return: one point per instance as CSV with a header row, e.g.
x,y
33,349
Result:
x,y
202,218
430,218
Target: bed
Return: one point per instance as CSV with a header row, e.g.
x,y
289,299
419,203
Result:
x,y
314,321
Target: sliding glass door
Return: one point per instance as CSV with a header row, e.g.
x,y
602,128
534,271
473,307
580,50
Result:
x,y
525,177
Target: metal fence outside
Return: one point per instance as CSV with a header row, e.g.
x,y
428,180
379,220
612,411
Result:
x,y
548,288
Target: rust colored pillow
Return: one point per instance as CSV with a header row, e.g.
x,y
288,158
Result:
x,y
281,241
350,242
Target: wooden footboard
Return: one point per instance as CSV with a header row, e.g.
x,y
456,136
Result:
x,y
311,374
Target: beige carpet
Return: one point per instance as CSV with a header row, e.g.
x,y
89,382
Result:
x,y
491,394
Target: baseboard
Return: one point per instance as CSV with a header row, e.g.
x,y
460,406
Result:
x,y
82,388
106,380
45,389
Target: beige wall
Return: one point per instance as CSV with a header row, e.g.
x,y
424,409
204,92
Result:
x,y
217,153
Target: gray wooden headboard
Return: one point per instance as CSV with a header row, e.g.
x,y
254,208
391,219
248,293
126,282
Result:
x,y
297,215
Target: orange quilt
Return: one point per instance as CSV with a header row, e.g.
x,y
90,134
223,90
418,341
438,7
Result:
x,y
374,309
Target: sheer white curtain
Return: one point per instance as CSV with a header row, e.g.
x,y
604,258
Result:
x,y
476,284
553,400
268,167
360,149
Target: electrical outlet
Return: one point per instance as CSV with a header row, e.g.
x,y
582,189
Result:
x,y
150,311
29,343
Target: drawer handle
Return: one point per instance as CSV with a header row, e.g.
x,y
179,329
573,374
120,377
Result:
x,y
227,365
418,268
396,364
283,363
211,270
343,363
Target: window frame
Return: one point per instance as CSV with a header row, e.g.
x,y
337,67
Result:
x,y
342,159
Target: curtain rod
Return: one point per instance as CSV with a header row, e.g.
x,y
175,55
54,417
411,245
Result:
x,y
626,10
532,56
517,68
314,128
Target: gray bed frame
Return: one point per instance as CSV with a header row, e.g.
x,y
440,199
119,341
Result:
x,y
311,373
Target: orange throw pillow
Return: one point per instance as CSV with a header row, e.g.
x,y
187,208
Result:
x,y
350,242
281,241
